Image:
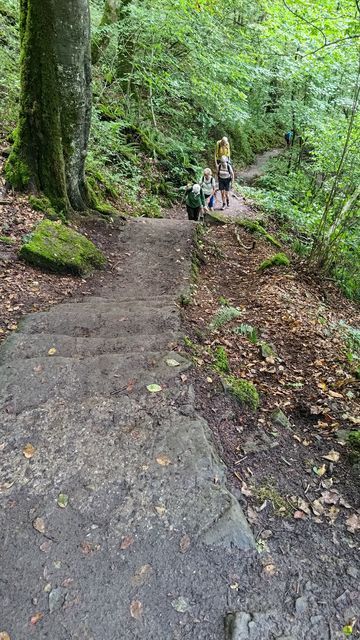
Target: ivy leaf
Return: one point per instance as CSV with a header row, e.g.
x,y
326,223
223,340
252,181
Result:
x,y
154,388
63,500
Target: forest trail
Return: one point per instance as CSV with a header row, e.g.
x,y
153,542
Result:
x,y
115,519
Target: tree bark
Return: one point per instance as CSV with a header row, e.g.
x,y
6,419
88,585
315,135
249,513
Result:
x,y
55,102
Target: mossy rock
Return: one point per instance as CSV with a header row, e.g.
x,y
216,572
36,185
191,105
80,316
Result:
x,y
278,260
55,247
243,391
217,218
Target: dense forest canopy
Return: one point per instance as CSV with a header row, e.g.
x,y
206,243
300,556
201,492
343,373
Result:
x,y
172,76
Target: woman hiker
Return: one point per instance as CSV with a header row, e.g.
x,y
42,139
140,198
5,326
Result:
x,y
225,176
194,200
222,149
207,184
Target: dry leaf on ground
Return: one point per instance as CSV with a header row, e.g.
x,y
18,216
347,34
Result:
x,y
36,618
28,451
126,542
136,609
39,525
185,543
163,460
333,456
353,523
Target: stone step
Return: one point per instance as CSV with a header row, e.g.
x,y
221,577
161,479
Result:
x,y
73,379
18,346
82,321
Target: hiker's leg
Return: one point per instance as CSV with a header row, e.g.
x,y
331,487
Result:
x,y
190,212
196,213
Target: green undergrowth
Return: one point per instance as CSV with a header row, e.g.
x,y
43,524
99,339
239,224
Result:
x,y
221,360
243,391
224,315
248,331
7,240
55,247
278,260
282,507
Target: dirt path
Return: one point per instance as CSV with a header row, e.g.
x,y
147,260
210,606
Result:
x,y
115,520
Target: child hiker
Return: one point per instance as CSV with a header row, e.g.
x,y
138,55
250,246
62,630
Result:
x,y
225,176
207,184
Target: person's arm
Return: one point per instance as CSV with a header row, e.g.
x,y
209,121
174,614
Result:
x,y
231,172
216,152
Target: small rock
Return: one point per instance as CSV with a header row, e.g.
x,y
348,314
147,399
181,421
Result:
x,y
301,604
278,417
352,571
237,625
266,534
56,599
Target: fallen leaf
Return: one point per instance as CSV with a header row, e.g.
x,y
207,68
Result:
x,y
39,525
36,618
63,500
163,460
353,523
154,388
52,351
317,507
172,363
185,543
335,394
333,514
270,569
245,490
142,575
160,510
5,486
303,506
4,635
330,497
333,456
126,542
320,470
299,515
136,609
28,451
180,605
208,379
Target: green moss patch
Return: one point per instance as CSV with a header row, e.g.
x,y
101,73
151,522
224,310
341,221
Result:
x,y
221,360
55,247
278,260
243,391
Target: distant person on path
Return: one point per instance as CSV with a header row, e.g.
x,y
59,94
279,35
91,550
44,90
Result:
x,y
225,176
222,149
194,200
207,184
289,136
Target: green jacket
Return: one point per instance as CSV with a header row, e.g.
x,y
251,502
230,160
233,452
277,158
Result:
x,y
194,201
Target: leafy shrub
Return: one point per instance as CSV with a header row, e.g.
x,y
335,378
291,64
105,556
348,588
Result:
x,y
221,360
248,331
223,316
244,392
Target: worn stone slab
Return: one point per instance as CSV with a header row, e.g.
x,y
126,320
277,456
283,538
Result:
x,y
150,533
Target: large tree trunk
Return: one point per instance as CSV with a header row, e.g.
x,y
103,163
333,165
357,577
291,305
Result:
x,y
55,104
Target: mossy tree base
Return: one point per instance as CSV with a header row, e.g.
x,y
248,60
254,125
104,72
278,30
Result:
x,y
55,247
51,138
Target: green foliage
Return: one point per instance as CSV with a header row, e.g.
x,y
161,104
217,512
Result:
x,y
223,316
221,360
244,392
55,247
248,331
354,439
278,260
7,240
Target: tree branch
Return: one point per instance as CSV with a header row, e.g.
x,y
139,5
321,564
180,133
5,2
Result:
x,y
300,17
330,44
